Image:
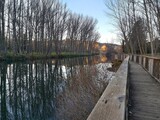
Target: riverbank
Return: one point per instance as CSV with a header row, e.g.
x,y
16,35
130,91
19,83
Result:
x,y
115,65
34,56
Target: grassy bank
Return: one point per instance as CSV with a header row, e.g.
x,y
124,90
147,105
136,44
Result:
x,y
34,56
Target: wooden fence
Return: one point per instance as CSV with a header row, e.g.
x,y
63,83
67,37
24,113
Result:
x,y
149,63
113,103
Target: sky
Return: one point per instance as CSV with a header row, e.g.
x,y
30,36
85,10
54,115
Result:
x,y
97,10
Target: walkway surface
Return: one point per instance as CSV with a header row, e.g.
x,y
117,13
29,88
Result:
x,y
144,103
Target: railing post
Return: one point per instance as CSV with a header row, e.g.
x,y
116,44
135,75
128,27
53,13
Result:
x,y
140,60
150,66
135,57
144,61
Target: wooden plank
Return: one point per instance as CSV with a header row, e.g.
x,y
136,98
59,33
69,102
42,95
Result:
x,y
112,104
144,94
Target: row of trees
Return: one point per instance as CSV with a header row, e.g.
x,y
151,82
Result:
x,y
44,26
139,24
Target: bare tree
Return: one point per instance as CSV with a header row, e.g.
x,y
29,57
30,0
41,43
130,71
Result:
x,y
127,13
41,26
2,26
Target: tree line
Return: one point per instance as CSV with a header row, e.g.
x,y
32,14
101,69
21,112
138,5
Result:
x,y
44,26
138,23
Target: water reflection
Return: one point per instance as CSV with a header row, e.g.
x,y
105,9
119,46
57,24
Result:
x,y
54,90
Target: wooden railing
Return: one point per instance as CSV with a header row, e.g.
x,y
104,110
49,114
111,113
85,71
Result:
x,y
113,103
149,63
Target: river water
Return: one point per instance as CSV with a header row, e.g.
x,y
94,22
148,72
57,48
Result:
x,y
65,89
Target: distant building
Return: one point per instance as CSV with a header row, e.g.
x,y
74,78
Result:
x,y
107,48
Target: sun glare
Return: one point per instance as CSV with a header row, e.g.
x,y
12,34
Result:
x,y
104,48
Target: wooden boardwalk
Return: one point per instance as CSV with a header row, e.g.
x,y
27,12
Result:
x,y
112,103
144,101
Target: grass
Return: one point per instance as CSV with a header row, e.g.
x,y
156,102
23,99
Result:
x,y
10,56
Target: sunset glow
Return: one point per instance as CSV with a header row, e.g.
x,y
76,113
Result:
x,y
104,48
103,59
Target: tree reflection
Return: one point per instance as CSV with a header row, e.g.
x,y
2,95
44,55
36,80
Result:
x,y
3,69
64,89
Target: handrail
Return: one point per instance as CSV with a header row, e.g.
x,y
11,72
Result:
x,y
112,104
149,63
148,56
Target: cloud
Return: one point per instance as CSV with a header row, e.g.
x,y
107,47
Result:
x,y
109,38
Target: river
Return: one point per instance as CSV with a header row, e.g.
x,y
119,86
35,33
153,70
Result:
x,y
64,89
